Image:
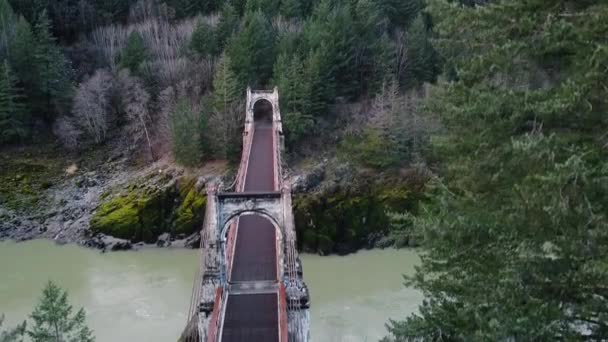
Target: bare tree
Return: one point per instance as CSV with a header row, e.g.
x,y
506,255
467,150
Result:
x,y
92,104
136,101
68,133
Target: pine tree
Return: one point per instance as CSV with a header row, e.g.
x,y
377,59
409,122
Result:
x,y
53,74
401,12
422,63
12,122
289,78
53,319
22,53
515,233
226,89
291,8
204,40
238,5
252,50
186,134
134,53
12,334
7,28
228,24
318,83
269,7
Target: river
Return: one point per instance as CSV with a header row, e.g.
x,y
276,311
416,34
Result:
x,y
143,296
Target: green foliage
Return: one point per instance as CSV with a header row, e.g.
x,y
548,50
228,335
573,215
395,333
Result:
x,y
204,40
118,217
11,108
52,85
251,50
190,213
226,89
229,22
7,28
347,218
401,12
12,334
423,64
186,128
291,8
134,53
371,149
53,319
516,236
22,56
268,7
294,98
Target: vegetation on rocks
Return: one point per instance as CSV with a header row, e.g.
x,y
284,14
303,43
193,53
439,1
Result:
x,y
346,218
151,206
26,173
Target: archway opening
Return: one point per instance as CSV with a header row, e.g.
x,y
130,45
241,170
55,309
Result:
x,y
254,257
262,111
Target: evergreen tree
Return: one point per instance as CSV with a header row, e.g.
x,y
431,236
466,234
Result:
x,y
187,8
23,62
53,319
333,32
134,53
252,50
401,12
269,7
53,73
226,119
228,24
112,11
238,6
7,28
12,334
12,126
204,42
319,85
289,78
186,134
291,8
515,238
226,89
422,63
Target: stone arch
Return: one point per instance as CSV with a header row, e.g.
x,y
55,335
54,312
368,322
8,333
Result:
x,y
225,224
263,110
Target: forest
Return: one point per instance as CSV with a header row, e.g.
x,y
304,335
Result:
x,y
503,104
89,73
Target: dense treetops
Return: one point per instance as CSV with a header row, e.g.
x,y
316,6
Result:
x,y
315,51
516,238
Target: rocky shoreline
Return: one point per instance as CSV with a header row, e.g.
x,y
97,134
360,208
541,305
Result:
x,y
338,208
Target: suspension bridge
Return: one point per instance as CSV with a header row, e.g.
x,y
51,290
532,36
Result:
x,y
249,285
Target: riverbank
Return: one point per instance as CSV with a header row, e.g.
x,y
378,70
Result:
x,y
104,200
144,296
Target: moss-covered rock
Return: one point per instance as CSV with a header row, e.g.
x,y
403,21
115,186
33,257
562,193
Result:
x,y
26,173
117,217
151,206
344,219
190,214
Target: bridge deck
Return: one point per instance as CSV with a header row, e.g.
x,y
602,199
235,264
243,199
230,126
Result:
x,y
255,317
255,250
251,318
